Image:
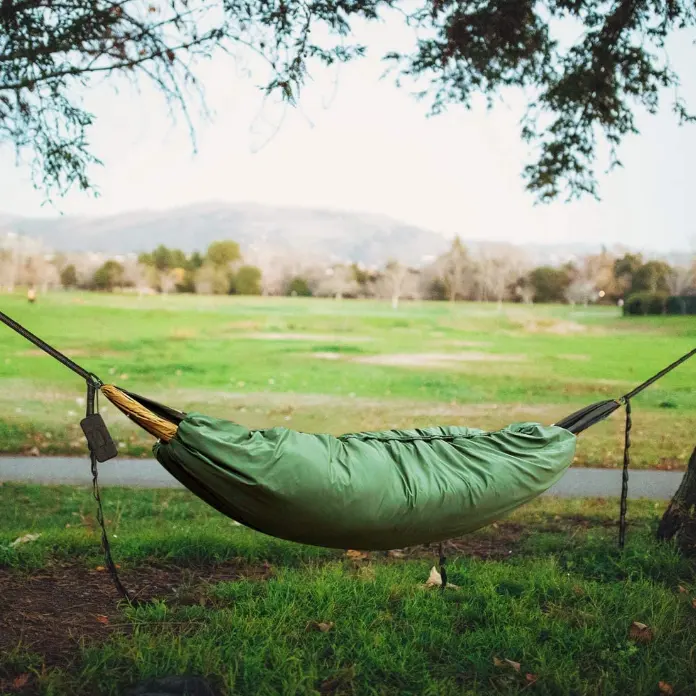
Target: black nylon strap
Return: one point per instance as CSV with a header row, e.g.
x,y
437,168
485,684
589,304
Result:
x,y
71,365
659,375
442,563
92,407
624,479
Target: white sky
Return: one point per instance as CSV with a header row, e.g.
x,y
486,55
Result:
x,y
361,144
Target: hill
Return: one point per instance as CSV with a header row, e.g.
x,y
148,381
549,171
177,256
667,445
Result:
x,y
337,235
274,231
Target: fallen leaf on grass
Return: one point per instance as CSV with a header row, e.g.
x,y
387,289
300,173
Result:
x,y
531,678
25,539
682,589
103,619
693,603
640,632
665,688
435,580
506,663
100,568
323,626
20,682
356,555
578,590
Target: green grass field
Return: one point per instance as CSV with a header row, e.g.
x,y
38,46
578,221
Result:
x,y
340,366
545,602
546,588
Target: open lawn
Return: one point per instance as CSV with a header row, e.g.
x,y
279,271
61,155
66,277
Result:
x,y
339,366
545,589
545,603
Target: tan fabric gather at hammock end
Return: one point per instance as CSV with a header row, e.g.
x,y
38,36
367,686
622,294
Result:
x,y
158,427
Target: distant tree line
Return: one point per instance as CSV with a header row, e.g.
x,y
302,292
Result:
x,y
495,274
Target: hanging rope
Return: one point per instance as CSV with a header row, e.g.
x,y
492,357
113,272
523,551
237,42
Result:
x,y
442,563
93,408
624,479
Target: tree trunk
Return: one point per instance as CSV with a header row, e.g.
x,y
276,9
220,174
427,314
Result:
x,y
679,521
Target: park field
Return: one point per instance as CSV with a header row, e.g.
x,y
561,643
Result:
x,y
341,366
544,603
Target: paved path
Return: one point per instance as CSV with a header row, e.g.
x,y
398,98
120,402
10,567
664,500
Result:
x,y
147,473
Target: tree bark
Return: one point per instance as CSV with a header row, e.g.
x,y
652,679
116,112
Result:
x,y
679,520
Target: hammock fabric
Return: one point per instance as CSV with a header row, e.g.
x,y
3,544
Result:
x,y
382,490
373,490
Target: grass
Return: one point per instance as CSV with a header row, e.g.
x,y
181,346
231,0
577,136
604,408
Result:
x,y
310,365
546,588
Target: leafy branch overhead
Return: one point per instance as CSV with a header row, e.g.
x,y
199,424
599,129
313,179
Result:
x,y
578,92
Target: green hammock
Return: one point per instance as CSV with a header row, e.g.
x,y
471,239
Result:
x,y
383,490
373,490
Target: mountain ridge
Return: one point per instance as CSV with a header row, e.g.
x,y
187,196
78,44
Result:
x,y
333,234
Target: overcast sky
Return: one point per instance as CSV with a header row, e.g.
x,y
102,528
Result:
x,y
361,144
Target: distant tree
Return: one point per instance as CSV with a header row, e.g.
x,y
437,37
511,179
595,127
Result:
x,y
397,281
524,290
497,269
170,266
211,280
436,289
338,282
550,284
580,290
223,254
195,261
140,276
651,277
455,270
68,276
680,280
624,270
298,287
108,276
247,281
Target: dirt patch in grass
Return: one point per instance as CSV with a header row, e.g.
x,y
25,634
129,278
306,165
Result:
x,y
470,344
328,356
328,338
553,326
436,359
49,611
183,334
497,542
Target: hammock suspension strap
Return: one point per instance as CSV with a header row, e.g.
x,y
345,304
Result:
x,y
624,477
442,564
92,410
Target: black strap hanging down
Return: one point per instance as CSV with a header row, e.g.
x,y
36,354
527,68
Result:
x,y
624,478
442,563
106,547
